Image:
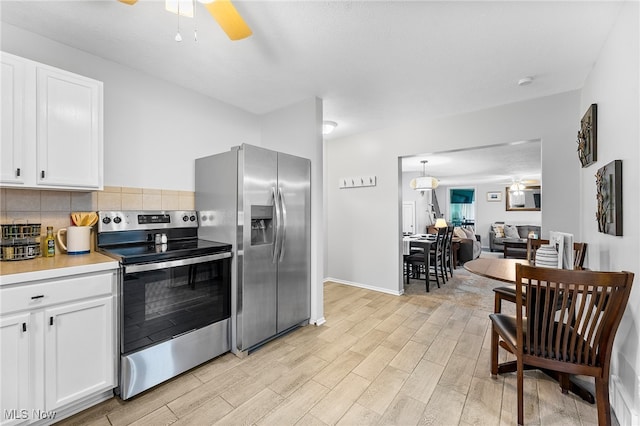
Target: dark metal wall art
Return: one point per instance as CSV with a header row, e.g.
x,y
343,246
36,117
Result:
x,y
609,198
587,137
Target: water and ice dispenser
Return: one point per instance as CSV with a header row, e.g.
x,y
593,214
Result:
x,y
261,225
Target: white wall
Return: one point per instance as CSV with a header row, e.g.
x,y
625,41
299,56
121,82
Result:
x,y
297,130
153,130
613,85
364,245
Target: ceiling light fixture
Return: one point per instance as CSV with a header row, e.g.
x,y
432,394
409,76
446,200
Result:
x,y
517,187
424,182
525,81
328,126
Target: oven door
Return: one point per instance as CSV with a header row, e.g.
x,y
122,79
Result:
x,y
163,300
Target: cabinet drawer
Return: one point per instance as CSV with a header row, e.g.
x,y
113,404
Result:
x,y
34,296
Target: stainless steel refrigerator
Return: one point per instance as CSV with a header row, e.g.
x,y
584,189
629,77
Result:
x,y
259,200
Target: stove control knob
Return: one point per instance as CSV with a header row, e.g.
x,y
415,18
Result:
x,y
106,220
185,218
117,220
192,218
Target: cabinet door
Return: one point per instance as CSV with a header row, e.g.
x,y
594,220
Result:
x,y
79,351
68,130
12,108
14,351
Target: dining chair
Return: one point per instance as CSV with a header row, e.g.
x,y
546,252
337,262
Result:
x,y
415,263
577,339
508,293
447,253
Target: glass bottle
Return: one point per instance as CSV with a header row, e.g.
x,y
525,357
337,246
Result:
x,y
49,243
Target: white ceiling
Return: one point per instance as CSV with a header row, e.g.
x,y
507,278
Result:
x,y
502,164
372,62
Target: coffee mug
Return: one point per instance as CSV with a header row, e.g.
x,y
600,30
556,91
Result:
x,y
78,239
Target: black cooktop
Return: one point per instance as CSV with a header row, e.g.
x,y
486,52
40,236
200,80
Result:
x,y
176,249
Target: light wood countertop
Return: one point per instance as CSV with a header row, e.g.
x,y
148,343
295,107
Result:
x,y
14,272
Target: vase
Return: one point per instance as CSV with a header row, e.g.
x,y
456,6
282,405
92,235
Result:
x,y
547,256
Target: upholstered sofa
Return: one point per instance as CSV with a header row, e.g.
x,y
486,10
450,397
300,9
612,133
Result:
x,y
496,238
470,246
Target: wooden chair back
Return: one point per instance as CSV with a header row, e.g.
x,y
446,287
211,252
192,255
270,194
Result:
x,y
579,251
441,237
577,338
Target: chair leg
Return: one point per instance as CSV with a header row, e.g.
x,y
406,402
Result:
x,y
520,390
494,353
602,401
497,304
426,277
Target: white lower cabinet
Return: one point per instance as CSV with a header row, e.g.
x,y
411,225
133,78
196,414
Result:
x,y
60,350
78,351
14,366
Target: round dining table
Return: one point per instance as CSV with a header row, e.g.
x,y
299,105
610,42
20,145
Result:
x,y
495,268
505,270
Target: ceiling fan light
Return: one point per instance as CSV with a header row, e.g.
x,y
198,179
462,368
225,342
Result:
x,y
328,126
180,7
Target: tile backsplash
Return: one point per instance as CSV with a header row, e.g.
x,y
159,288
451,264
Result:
x,y
53,208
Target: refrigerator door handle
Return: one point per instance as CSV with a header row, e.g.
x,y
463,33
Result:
x,y
283,224
276,244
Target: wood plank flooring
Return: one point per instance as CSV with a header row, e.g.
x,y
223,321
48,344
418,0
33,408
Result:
x,y
378,360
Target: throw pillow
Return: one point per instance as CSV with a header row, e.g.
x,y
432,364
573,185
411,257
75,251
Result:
x,y
459,232
498,229
469,233
511,231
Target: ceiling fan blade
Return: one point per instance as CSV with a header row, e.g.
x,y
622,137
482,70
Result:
x,y
225,13
129,2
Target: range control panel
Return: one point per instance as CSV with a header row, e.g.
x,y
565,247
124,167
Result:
x,y
130,220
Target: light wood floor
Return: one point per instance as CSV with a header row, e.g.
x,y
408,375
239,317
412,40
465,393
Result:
x,y
379,359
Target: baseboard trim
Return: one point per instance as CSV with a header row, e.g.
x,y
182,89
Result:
x,y
621,404
365,286
320,321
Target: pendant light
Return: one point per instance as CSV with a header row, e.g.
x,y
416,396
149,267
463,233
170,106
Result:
x,y
424,182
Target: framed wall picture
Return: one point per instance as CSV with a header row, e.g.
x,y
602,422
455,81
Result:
x,y
609,198
588,137
494,196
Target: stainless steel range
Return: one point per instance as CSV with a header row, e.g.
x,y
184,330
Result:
x,y
174,295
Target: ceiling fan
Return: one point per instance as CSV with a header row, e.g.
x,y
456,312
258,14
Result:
x,y
223,11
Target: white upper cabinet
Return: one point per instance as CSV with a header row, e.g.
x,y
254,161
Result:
x,y
12,107
51,127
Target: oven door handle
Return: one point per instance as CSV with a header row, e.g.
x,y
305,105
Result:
x,y
130,269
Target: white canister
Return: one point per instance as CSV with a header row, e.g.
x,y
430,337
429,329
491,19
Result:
x,y
78,239
547,256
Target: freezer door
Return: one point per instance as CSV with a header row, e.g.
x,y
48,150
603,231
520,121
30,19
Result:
x,y
294,260
257,272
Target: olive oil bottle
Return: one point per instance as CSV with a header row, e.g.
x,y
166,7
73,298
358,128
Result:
x,y
49,243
